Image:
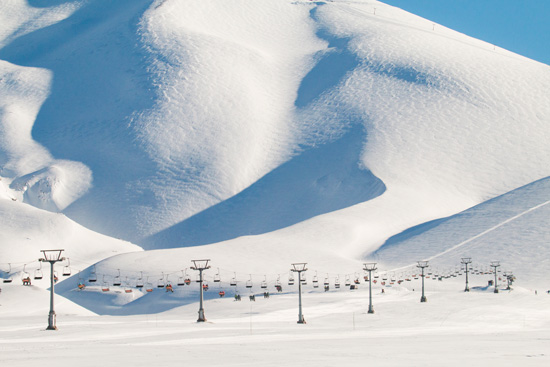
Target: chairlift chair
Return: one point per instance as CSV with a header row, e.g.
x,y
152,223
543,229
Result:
x,y
233,281
105,285
7,280
67,269
337,282
38,273
187,280
303,278
249,282
117,282
25,273
291,279
348,281
217,277
160,282
25,277
326,282
148,286
264,283
315,281
181,280
127,286
139,283
93,276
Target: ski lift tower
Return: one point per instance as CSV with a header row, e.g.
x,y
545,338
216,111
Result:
x,y
299,268
201,265
422,265
370,267
52,256
495,265
510,278
466,261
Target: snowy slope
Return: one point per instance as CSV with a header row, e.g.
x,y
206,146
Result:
x,y
294,131
258,134
512,228
179,119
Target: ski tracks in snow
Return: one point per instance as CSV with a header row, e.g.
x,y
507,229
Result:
x,y
469,240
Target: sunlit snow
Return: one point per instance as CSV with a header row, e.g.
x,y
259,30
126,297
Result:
x,y
138,135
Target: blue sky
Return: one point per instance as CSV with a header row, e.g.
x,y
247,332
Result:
x,y
521,26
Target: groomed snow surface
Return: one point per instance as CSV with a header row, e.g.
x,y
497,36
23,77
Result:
x,y
479,328
258,134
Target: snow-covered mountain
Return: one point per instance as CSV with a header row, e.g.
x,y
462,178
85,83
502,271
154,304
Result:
x,y
271,131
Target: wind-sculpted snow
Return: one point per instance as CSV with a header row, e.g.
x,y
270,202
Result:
x,y
318,181
321,125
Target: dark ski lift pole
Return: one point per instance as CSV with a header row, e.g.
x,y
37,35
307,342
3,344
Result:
x,y
52,256
370,267
495,265
200,266
299,268
466,261
422,265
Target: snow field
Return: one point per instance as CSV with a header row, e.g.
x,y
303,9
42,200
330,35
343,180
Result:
x,y
453,327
